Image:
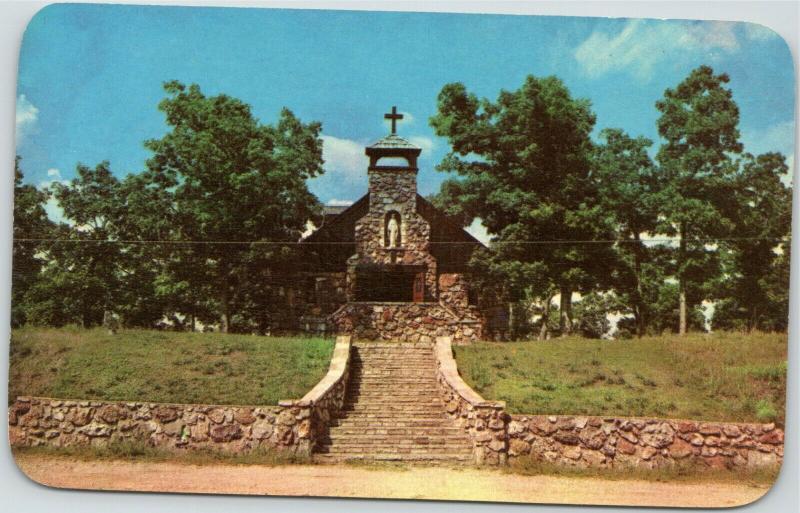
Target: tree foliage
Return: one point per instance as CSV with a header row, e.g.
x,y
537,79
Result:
x,y
32,228
237,189
699,123
524,167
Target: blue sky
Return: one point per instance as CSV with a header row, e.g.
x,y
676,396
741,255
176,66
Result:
x,y
91,76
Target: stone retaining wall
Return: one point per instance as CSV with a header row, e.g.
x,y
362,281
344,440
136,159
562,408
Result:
x,y
291,426
642,442
412,322
599,441
484,421
35,421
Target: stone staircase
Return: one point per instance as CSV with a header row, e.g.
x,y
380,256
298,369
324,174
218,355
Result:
x,y
393,410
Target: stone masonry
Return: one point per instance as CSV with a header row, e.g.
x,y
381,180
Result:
x,y
412,322
393,190
642,442
293,425
393,411
398,401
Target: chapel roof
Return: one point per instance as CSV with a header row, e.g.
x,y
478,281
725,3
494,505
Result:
x,y
393,141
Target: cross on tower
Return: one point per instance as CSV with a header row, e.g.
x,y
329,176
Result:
x,y
394,116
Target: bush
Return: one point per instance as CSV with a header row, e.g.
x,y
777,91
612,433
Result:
x,y
765,411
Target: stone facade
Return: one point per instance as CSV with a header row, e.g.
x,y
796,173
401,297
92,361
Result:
x,y
393,191
423,269
293,426
642,442
484,421
411,322
454,291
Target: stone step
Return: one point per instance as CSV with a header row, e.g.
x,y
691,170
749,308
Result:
x,y
397,370
392,386
390,343
423,396
378,407
422,379
381,399
389,457
405,431
399,375
337,438
395,359
389,422
389,449
362,421
399,414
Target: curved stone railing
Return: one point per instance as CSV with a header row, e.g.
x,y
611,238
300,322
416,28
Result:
x,y
323,401
293,425
484,421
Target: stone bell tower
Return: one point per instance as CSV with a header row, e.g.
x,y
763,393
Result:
x,y
392,239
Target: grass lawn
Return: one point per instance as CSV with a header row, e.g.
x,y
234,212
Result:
x,y
141,365
725,376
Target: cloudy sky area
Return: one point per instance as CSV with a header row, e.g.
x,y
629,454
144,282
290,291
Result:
x,y
90,76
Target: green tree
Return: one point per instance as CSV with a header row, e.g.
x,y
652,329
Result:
x,y
698,122
761,216
628,185
238,187
81,280
31,228
524,169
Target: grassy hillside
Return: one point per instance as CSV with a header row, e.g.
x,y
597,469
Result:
x,y
138,365
724,376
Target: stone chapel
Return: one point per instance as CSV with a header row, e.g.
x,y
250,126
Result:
x,y
391,265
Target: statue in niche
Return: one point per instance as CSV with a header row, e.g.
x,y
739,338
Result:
x,y
393,230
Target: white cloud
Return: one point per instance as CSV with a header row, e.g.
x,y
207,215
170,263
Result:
x,y
339,203
426,143
344,159
54,212
26,116
642,45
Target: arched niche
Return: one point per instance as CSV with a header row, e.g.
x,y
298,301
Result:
x,y
392,229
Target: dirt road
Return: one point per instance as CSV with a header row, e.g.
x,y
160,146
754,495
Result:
x,y
351,481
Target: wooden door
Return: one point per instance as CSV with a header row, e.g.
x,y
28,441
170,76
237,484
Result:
x,y
419,287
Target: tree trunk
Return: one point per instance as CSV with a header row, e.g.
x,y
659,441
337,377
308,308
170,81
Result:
x,y
639,303
682,282
565,313
753,319
544,330
511,321
226,314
